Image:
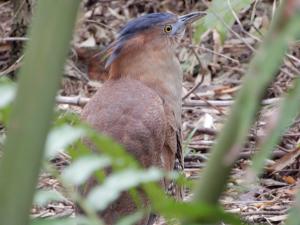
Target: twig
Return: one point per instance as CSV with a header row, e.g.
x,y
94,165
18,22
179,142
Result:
x,y
13,67
213,52
224,103
76,100
239,22
214,132
81,101
264,212
14,39
99,24
202,76
293,58
194,88
243,155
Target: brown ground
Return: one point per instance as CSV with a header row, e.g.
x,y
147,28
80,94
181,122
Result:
x,y
221,66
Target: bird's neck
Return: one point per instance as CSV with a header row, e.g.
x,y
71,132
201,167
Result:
x,y
157,69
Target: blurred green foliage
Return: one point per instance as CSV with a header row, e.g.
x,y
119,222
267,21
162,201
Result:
x,y
32,110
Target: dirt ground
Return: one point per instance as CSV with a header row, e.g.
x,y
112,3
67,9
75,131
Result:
x,y
214,71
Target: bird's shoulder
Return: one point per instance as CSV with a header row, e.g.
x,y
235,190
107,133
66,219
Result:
x,y
125,102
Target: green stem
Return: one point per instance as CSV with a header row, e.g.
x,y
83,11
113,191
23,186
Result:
x,y
260,74
39,79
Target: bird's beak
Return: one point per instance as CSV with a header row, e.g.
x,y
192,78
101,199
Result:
x,y
191,17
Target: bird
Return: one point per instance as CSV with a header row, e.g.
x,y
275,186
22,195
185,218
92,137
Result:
x,y
139,105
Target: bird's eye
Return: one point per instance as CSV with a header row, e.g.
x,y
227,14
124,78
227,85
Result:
x,y
168,28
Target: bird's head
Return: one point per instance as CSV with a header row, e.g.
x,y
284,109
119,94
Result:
x,y
155,31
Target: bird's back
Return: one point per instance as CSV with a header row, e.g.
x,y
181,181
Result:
x,y
133,115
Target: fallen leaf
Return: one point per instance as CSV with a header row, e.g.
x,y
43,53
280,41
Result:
x,y
289,179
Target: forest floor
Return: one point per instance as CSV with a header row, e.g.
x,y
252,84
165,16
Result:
x,y
214,70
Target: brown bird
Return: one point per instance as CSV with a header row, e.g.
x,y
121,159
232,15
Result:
x,y
140,104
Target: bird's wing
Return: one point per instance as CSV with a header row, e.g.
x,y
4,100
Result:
x,y
173,151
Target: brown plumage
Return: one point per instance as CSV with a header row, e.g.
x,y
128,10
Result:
x,y
140,104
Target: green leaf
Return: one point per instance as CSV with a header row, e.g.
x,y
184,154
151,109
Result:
x,y
220,10
78,150
294,216
69,221
7,93
60,138
197,212
84,167
43,197
62,117
131,219
119,182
